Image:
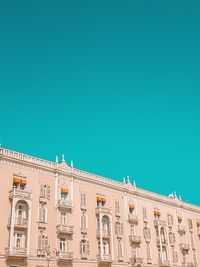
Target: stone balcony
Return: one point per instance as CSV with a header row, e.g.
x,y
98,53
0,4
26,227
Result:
x,y
159,222
149,260
84,255
19,223
135,239
16,252
133,218
105,258
20,194
137,261
103,210
164,263
181,229
105,234
66,256
65,204
65,229
184,247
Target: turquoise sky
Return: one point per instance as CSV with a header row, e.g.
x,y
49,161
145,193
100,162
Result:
x,y
114,85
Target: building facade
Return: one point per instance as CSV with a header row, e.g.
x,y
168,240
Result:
x,y
55,215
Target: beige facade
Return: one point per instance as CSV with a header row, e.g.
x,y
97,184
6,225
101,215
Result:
x,y
55,215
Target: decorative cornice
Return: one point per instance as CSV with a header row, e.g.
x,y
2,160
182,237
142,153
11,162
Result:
x,y
51,168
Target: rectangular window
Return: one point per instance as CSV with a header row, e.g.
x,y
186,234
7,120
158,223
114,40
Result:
x,y
144,211
42,242
83,199
117,207
63,246
83,221
45,191
63,218
84,246
42,214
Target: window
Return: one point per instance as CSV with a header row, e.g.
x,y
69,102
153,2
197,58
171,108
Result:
x,y
148,249
43,214
120,250
63,218
133,229
190,224
117,207
170,219
42,241
84,246
63,245
83,221
45,191
18,240
119,228
83,199
172,238
105,248
147,233
64,196
144,211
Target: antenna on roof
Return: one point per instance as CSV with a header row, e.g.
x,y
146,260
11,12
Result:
x,y
72,164
63,158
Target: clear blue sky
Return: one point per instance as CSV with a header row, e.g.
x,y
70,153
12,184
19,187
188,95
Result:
x,y
114,85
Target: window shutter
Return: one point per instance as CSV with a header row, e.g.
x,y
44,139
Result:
x,y
48,192
42,190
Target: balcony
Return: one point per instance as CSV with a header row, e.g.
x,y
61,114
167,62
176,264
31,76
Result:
x,y
120,258
20,194
184,247
133,218
181,229
65,229
66,256
164,263
135,239
103,210
149,261
159,222
65,204
137,261
104,258
19,223
84,230
16,252
105,234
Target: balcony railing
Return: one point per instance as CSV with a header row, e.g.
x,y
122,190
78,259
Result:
x,y
65,229
133,218
19,222
65,204
16,252
105,258
135,239
184,246
21,194
66,256
164,263
181,229
189,264
103,210
105,234
159,222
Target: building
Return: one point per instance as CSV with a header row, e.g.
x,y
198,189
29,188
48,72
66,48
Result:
x,y
55,215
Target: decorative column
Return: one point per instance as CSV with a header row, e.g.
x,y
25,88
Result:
x,y
11,243
100,229
111,231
